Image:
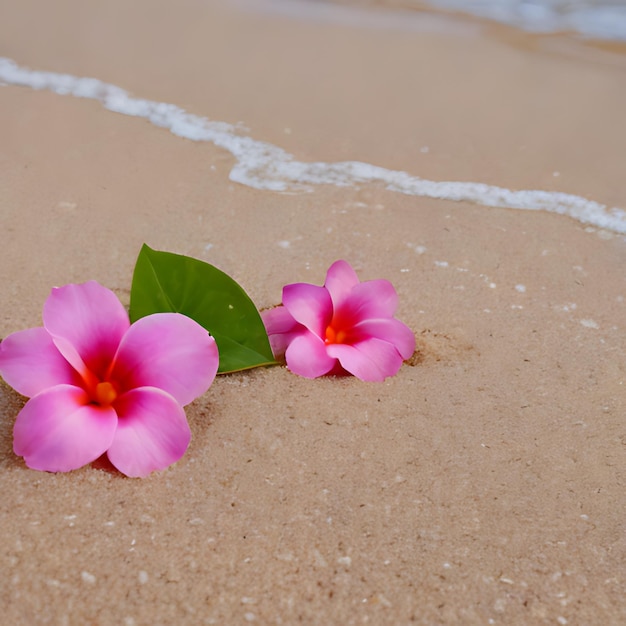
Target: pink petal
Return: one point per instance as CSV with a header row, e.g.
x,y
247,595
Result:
x,y
278,320
340,279
310,305
281,329
30,362
152,432
58,430
306,356
169,351
391,330
371,360
86,322
369,300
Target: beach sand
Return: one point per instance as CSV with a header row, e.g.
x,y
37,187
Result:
x,y
485,483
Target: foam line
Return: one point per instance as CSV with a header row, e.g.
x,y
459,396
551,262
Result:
x,y
264,166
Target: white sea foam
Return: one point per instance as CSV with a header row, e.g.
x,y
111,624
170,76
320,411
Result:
x,y
264,166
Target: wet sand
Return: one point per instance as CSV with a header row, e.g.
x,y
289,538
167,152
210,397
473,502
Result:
x,y
484,484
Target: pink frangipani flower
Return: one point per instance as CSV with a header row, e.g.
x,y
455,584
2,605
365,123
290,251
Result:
x,y
344,326
98,384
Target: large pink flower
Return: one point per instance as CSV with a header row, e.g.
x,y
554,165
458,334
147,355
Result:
x,y
344,326
98,384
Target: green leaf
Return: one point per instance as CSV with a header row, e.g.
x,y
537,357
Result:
x,y
167,282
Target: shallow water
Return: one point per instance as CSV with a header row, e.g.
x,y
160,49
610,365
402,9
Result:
x,y
597,19
265,166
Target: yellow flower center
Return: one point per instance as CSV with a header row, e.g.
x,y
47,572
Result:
x,y
105,393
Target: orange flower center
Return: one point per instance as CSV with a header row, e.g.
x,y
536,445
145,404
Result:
x,y
104,393
335,336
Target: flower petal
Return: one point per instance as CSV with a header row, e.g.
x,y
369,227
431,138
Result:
x,y
86,322
278,321
58,430
306,356
371,360
340,279
281,329
169,351
30,362
152,432
369,300
309,305
391,330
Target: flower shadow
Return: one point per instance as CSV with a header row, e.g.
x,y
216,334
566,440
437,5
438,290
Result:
x,y
439,347
11,403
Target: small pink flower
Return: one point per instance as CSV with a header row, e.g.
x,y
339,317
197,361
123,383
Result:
x,y
344,326
98,384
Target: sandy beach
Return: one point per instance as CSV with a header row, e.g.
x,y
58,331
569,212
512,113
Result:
x,y
485,483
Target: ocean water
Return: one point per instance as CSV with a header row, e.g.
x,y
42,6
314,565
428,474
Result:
x,y
262,165
587,19
269,167
597,19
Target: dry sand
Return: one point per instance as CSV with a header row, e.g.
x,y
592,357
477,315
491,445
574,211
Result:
x,y
484,484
